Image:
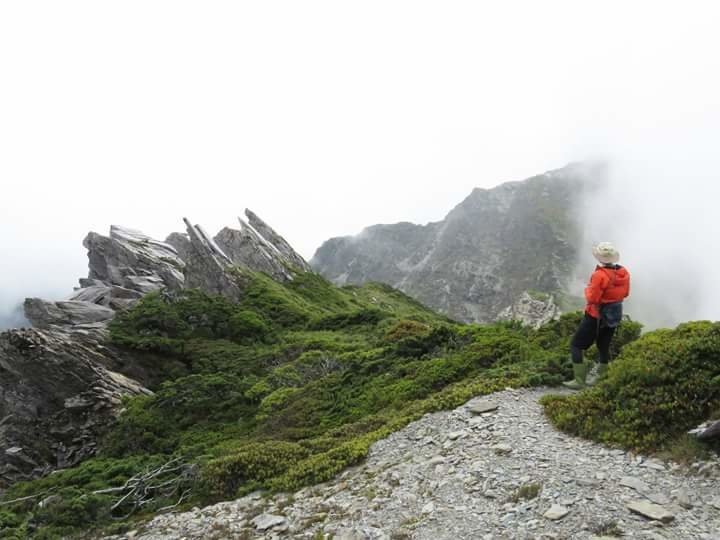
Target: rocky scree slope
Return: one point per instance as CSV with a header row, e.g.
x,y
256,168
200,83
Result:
x,y
61,381
493,468
502,253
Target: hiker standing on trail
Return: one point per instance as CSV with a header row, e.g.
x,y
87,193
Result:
x,y
609,286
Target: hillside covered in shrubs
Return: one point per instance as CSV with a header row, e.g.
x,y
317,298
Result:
x,y
293,383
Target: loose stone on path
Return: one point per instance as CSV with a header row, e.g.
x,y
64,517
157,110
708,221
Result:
x,y
484,406
635,483
651,510
556,512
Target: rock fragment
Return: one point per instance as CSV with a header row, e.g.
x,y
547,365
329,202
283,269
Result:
x,y
483,406
651,511
556,512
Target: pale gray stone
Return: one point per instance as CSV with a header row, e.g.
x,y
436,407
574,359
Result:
x,y
635,483
483,406
502,448
653,464
268,521
658,498
651,511
429,508
556,512
683,499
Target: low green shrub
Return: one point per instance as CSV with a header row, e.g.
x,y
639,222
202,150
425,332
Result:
x,y
248,326
439,338
369,316
405,329
246,468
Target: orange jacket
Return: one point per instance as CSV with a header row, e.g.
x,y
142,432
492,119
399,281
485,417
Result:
x,y
607,285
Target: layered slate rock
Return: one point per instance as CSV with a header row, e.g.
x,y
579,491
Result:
x,y
480,260
123,267
128,264
258,247
133,260
208,267
276,242
181,243
44,314
56,397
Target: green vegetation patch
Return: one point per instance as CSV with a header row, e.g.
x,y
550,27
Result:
x,y
665,383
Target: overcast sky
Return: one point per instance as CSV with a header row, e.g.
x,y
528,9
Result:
x,y
326,117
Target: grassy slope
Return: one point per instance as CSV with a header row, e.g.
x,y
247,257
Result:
x,y
282,390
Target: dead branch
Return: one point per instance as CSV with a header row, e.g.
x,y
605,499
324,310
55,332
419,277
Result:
x,y
28,498
151,485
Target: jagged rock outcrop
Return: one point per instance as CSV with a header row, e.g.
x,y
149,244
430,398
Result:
x,y
56,397
181,243
131,259
531,309
59,383
490,249
258,247
128,264
208,267
122,268
276,242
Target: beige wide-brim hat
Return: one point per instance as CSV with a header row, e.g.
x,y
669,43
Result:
x,y
606,253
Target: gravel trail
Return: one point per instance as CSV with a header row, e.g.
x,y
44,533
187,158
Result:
x,y
501,474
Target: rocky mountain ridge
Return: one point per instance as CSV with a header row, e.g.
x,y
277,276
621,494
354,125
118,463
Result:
x,y
481,263
61,381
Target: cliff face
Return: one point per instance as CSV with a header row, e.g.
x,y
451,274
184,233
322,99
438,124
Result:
x,y
492,249
57,395
61,382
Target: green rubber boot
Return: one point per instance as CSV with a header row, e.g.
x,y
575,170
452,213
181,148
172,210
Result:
x,y
580,371
592,373
602,370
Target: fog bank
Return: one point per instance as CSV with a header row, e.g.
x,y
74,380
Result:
x,y
11,316
659,206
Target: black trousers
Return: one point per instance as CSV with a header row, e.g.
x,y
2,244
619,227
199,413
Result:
x,y
589,332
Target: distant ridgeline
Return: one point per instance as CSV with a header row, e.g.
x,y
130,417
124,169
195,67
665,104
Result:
x,y
503,253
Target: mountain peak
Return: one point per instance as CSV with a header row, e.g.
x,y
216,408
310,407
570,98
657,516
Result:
x,y
481,260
